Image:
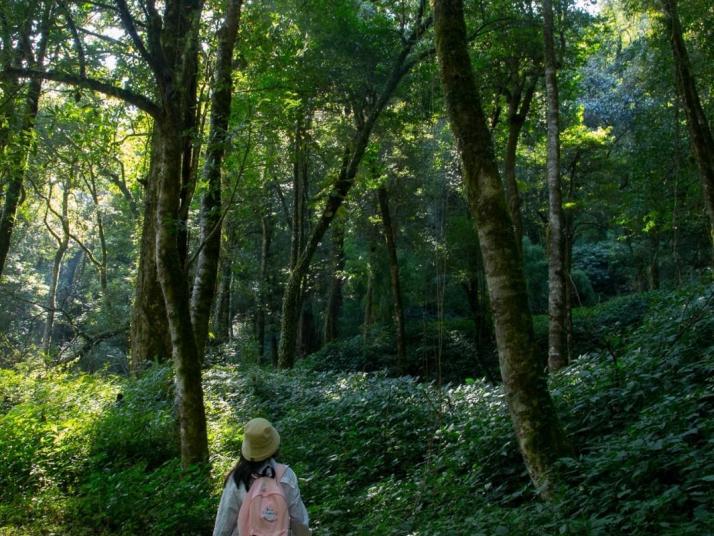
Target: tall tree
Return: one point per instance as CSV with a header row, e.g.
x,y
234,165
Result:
x,y
398,308
334,295
169,49
697,123
204,286
532,411
62,239
557,354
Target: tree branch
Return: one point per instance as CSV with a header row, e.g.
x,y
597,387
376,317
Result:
x,y
128,23
76,38
141,102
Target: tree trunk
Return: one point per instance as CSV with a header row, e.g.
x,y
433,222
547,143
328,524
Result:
x,y
699,132
368,318
204,286
175,66
518,107
557,356
62,244
266,226
221,316
398,309
532,411
19,148
334,297
174,286
149,336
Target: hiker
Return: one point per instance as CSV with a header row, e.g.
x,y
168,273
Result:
x,y
261,495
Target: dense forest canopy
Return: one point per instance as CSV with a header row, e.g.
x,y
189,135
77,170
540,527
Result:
x,y
429,192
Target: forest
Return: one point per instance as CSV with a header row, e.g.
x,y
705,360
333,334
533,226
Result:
x,y
458,252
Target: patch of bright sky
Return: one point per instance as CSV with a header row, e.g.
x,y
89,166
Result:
x,y
110,61
591,6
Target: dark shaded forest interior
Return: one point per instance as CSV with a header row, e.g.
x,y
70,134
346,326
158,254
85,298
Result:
x,y
458,252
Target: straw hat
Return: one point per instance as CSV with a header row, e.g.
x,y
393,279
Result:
x,y
260,440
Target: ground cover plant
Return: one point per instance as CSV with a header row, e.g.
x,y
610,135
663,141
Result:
x,y
379,454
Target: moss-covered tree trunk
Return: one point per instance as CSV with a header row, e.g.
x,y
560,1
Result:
x,y
532,411
557,354
699,131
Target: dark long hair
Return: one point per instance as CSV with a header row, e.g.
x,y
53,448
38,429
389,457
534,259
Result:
x,y
244,470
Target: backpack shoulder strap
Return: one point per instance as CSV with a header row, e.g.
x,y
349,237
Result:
x,y
280,469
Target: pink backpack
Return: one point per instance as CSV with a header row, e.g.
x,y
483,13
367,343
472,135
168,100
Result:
x,y
264,511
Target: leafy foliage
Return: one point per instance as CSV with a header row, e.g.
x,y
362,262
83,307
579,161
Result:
x,y
380,455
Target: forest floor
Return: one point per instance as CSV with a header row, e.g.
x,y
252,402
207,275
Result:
x,y
379,455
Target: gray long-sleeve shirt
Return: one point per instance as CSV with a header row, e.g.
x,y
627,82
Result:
x,y
233,495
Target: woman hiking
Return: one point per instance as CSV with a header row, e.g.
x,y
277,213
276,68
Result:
x,y
260,495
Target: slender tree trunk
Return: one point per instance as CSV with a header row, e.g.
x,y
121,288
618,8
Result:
x,y
398,309
204,286
266,226
221,316
149,335
532,411
368,319
519,104
62,245
334,297
103,259
121,184
699,131
557,356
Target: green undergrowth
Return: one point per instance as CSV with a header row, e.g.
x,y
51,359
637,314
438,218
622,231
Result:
x,y
381,455
447,348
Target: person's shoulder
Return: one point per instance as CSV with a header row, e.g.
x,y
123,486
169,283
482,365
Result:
x,y
289,477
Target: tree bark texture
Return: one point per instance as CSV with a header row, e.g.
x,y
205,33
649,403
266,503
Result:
x,y
532,411
340,189
204,287
149,334
397,306
699,131
557,355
